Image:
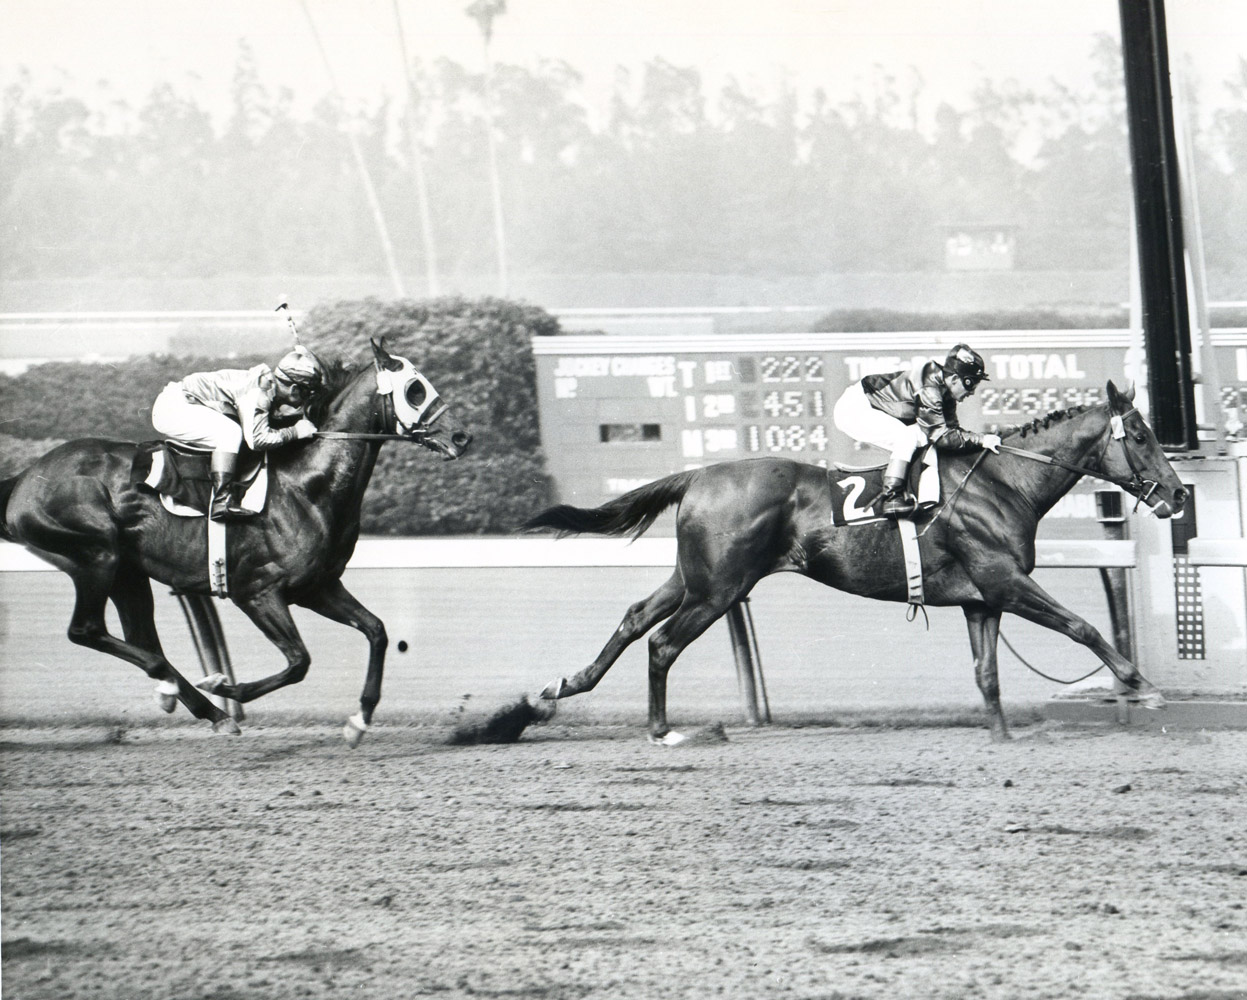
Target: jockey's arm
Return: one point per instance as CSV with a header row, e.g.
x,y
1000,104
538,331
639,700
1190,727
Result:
x,y
257,430
937,415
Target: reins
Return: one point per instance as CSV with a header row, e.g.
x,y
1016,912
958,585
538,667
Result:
x,y
1048,677
371,436
1144,487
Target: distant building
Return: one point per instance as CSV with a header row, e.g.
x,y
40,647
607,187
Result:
x,y
979,246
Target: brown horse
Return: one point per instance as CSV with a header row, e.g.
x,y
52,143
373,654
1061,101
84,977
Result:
x,y
740,521
79,509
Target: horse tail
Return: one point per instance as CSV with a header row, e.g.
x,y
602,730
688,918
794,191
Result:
x,y
631,513
6,490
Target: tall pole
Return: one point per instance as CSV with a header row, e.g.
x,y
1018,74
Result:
x,y
1158,222
484,12
417,164
1210,375
370,192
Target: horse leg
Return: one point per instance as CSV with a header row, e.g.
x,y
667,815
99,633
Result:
x,y
271,615
640,618
87,628
131,595
984,626
1023,597
665,645
338,604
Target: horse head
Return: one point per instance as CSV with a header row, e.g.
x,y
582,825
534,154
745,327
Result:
x,y
414,408
1134,457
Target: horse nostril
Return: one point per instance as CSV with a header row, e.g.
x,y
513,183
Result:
x,y
1179,496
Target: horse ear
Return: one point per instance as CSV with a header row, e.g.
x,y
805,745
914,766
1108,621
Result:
x,y
1120,400
379,354
383,358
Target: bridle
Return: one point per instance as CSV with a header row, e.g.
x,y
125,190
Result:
x,y
420,419
1138,486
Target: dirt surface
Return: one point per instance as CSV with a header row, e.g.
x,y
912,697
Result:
x,y
166,863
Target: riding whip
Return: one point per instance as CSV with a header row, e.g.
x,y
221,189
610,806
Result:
x,y
284,309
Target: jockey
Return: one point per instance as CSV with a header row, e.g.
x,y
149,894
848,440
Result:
x,y
222,410
901,411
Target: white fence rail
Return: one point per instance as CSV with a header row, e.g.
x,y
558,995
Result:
x,y
517,553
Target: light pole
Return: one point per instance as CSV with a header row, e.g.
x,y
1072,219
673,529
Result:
x,y
483,13
417,164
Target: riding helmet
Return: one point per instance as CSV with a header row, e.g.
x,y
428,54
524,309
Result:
x,y
968,364
301,367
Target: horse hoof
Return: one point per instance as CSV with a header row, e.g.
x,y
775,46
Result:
x,y
227,726
212,683
554,690
1152,700
668,739
167,696
354,730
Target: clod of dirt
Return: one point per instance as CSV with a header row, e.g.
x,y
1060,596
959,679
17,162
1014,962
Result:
x,y
1121,789
705,735
506,725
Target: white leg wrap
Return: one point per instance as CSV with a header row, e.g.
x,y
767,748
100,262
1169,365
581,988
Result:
x,y
167,695
354,730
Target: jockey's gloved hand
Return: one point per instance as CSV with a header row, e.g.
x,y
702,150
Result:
x,y
992,442
304,429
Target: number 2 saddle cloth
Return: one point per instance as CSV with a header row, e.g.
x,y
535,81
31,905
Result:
x,y
855,490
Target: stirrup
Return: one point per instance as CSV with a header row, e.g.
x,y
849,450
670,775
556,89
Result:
x,y
898,505
230,512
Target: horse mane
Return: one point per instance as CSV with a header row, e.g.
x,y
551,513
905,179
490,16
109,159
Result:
x,y
337,374
1041,423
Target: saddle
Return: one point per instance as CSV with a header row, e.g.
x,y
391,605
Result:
x,y
182,477
854,489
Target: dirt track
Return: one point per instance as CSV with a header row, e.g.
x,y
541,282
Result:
x,y
584,862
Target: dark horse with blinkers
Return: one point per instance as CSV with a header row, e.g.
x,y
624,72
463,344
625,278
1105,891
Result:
x,y
79,508
738,522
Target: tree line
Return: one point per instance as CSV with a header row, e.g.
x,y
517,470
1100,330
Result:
x,y
673,179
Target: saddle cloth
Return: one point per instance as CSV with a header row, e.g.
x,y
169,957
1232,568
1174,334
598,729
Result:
x,y
854,490
182,477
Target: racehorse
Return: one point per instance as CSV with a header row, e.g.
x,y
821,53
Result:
x,y
738,522
79,509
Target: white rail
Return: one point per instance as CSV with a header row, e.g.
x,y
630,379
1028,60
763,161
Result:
x,y
1217,552
520,553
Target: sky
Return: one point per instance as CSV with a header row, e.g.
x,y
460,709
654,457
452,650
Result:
x,y
838,45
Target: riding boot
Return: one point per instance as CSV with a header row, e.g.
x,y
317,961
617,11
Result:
x,y
226,501
896,500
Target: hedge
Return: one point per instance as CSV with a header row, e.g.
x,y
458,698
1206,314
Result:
x,y
476,352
